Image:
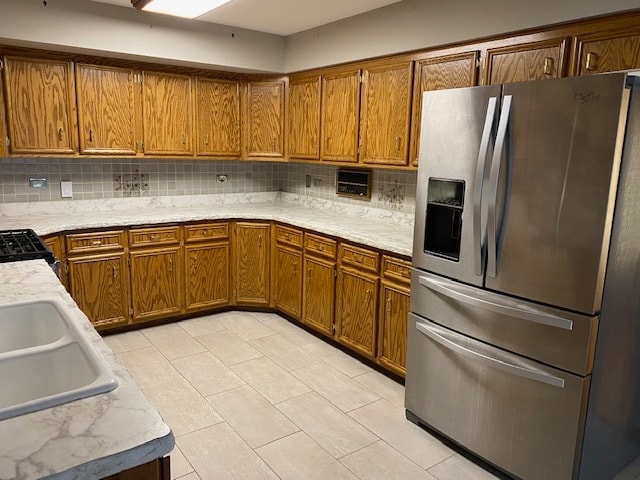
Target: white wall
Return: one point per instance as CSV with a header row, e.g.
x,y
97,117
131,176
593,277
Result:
x,y
417,24
108,30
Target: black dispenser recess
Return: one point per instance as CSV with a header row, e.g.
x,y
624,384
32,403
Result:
x,y
445,199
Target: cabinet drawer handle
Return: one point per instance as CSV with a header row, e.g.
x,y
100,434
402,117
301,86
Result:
x,y
114,272
95,243
398,143
60,134
206,139
155,236
547,67
389,305
275,144
367,296
184,139
171,265
591,63
91,134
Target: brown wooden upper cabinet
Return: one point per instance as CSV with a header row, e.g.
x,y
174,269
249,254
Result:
x,y
608,51
218,117
339,114
265,119
526,61
385,114
3,123
439,73
167,113
304,118
40,97
107,107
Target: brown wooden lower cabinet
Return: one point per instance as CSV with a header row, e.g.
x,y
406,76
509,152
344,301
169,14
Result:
x,y
251,263
207,275
319,292
154,470
288,280
392,330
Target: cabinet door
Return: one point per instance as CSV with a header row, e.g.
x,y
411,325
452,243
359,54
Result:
x,y
265,119
207,275
40,97
392,329
385,113
439,73
356,310
528,61
304,118
156,283
55,244
318,294
100,286
106,109
340,111
608,51
251,263
218,117
3,122
167,113
288,280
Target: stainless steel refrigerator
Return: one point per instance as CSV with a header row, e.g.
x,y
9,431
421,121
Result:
x,y
524,331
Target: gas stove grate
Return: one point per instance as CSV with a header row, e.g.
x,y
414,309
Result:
x,y
16,245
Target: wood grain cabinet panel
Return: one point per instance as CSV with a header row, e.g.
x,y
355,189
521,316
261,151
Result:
x,y
154,470
608,51
207,275
167,113
392,328
55,243
288,280
265,119
385,114
218,117
156,283
99,284
304,118
251,263
107,109
528,61
356,310
439,73
3,122
41,106
318,295
340,112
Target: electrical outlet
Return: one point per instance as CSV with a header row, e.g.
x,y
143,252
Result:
x,y
222,178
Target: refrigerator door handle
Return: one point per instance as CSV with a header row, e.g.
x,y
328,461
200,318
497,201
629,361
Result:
x,y
514,310
490,361
492,221
478,240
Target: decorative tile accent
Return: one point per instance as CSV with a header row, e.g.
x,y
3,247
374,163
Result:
x,y
131,185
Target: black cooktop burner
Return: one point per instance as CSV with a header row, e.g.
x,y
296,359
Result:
x,y
16,245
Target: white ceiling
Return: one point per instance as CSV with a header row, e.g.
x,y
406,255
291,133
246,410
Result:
x,y
281,17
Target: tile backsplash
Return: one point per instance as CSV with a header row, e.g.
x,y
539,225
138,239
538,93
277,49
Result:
x,y
119,178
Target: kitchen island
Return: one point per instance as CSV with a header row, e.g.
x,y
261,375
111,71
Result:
x,y
90,438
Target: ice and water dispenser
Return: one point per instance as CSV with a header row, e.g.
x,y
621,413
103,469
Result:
x,y
445,200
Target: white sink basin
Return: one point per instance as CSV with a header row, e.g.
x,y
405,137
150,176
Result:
x,y
45,360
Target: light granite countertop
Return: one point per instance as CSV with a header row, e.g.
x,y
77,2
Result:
x,y
85,439
383,229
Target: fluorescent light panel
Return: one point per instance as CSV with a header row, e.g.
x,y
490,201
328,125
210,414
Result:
x,y
183,8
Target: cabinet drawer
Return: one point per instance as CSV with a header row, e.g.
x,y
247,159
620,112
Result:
x,y
80,243
396,269
320,245
140,237
288,235
206,231
359,257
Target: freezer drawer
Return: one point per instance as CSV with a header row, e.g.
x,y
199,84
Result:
x,y
523,417
562,339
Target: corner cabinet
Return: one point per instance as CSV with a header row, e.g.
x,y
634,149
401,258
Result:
x,y
167,114
264,119
156,272
217,117
108,106
385,114
304,118
339,114
41,106
251,263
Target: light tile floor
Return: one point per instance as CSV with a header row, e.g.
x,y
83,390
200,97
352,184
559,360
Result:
x,y
252,396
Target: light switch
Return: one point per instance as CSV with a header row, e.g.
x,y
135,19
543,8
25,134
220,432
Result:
x,y
66,189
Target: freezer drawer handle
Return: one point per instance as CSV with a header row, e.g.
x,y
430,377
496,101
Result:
x,y
531,314
492,362
478,241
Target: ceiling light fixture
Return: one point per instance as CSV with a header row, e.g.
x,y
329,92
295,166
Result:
x,y
178,8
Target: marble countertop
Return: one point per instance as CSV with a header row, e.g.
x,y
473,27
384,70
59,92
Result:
x,y
383,229
85,439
